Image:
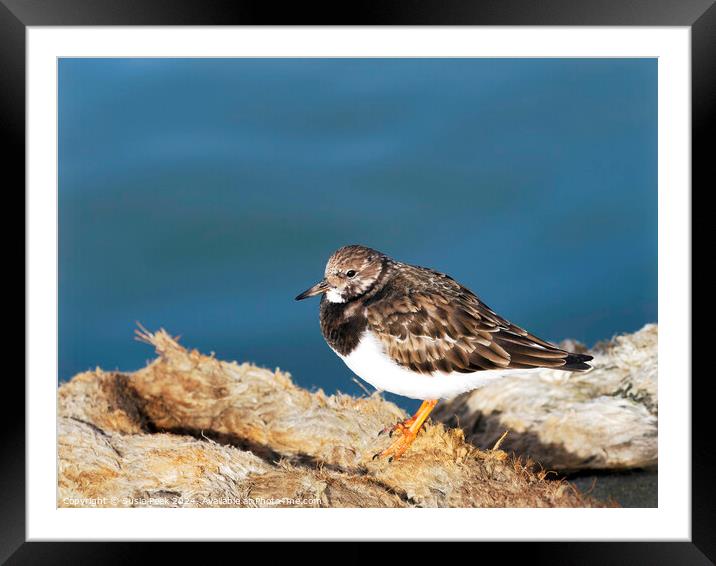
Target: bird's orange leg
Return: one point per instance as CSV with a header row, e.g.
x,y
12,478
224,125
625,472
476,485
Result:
x,y
409,429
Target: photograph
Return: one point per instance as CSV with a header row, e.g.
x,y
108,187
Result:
x,y
357,282
413,273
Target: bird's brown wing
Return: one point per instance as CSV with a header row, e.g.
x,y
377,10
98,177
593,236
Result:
x,y
445,327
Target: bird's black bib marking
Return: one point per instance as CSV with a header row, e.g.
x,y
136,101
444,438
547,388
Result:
x,y
342,325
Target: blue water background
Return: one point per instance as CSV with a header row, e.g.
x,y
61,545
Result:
x,y
201,195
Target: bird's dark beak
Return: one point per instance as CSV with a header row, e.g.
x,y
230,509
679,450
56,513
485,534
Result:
x,y
317,289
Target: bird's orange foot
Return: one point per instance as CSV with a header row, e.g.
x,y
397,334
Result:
x,y
409,430
398,448
402,426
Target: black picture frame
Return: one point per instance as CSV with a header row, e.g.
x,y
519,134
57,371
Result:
x,y
699,15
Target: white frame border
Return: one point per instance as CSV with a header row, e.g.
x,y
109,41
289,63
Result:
x,y
671,521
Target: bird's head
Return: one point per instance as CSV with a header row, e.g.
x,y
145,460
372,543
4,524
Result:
x,y
351,272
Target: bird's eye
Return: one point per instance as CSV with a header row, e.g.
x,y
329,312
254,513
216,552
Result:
x,y
351,273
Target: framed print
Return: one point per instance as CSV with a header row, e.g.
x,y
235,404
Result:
x,y
423,275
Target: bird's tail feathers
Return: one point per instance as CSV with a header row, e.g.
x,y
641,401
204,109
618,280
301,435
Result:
x,y
577,362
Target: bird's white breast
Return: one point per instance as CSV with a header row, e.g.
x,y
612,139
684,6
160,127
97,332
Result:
x,y
370,362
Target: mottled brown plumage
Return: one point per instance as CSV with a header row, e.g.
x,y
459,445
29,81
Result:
x,y
426,320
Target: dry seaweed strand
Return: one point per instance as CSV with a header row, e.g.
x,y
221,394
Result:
x,y
192,430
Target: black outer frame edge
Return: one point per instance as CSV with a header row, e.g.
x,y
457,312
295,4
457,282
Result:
x,y
703,173
551,553
701,14
361,12
12,133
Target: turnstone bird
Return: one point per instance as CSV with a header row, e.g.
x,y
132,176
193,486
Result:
x,y
417,332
